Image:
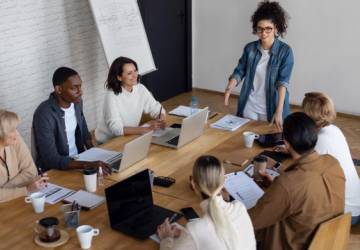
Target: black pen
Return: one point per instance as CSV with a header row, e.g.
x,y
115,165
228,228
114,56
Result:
x,y
160,112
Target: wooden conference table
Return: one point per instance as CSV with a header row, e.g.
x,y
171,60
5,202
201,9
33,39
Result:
x,y
18,219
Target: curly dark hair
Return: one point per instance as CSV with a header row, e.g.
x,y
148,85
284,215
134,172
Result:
x,y
271,11
116,69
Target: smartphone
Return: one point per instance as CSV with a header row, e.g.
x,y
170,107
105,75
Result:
x,y
189,213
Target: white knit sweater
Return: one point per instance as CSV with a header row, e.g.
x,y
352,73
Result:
x,y
125,110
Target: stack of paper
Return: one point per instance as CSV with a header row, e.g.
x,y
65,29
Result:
x,y
243,188
184,111
229,122
99,154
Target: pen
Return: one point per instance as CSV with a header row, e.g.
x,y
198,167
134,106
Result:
x,y
160,112
172,218
40,172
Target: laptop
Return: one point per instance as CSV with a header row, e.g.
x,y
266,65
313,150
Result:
x,y
134,151
131,209
191,128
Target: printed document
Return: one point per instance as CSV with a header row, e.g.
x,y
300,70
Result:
x,y
229,122
184,111
242,188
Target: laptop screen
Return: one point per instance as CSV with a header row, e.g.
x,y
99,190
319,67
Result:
x,y
129,197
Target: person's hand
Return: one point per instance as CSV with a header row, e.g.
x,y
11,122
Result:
x,y
281,149
266,180
39,183
225,194
156,124
277,119
163,117
105,167
229,88
166,230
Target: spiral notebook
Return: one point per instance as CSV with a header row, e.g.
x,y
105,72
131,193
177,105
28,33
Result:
x,y
85,199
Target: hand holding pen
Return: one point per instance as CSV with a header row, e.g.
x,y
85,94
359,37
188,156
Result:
x,y
39,182
167,229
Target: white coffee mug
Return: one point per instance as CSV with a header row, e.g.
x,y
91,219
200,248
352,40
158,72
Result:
x,y
90,179
85,234
38,201
249,138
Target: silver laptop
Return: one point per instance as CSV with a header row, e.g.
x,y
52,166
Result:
x,y
191,128
134,151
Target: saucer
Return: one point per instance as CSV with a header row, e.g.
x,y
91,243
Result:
x,y
64,237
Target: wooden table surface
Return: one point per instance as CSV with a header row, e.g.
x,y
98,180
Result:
x,y
18,219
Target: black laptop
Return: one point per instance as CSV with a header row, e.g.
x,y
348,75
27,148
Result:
x,y
131,208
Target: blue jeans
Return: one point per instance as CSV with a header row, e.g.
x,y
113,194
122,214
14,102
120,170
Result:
x,y
355,220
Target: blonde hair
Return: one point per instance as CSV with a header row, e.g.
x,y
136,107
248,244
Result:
x,y
320,108
209,178
8,122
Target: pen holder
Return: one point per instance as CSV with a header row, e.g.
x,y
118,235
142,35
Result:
x,y
71,217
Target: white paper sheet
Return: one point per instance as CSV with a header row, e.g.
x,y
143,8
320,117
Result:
x,y
243,188
229,122
182,110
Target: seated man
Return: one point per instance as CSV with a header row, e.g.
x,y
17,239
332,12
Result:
x,y
59,125
307,193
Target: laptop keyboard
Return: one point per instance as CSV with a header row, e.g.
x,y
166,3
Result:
x,y
174,141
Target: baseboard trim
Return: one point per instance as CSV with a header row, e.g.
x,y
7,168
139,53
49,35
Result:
x,y
293,106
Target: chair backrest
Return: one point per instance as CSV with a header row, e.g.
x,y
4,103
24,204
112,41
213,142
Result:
x,y
332,234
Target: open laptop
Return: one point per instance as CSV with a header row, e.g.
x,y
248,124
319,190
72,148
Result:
x,y
134,151
191,128
131,208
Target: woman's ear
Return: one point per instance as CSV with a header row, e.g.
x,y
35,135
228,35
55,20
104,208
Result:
x,y
118,78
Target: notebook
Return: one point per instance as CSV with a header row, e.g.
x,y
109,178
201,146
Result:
x,y
85,199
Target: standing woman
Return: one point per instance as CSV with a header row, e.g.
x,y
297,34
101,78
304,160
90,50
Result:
x,y
224,226
265,68
125,101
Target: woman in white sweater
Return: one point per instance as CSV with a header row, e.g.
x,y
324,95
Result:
x,y
224,226
125,102
331,140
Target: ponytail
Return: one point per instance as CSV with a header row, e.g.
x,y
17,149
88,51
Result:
x,y
209,177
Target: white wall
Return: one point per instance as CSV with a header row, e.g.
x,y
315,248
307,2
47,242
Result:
x,y
36,38
323,34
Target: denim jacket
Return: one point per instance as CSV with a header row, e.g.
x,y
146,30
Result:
x,y
50,134
278,74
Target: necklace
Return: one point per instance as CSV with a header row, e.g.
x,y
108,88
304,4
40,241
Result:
x,y
6,166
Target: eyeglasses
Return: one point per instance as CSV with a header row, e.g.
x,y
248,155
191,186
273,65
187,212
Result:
x,y
267,30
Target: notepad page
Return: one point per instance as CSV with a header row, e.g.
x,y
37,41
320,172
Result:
x,y
86,199
243,188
